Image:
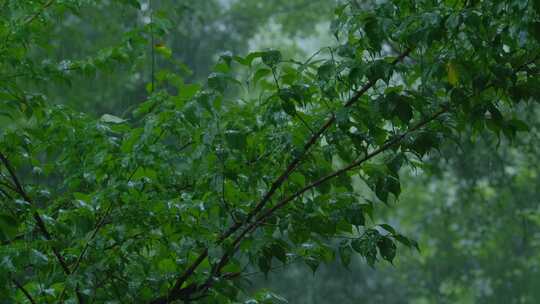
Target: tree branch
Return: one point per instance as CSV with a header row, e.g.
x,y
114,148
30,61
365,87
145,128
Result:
x,y
39,221
24,291
28,20
39,12
172,295
269,212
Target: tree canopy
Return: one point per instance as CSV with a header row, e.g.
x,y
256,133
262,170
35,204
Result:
x,y
271,159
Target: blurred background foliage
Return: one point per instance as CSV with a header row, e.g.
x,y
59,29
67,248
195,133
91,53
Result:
x,y
474,210
187,36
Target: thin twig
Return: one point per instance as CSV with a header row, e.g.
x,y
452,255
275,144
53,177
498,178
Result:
x,y
11,76
39,12
39,221
153,52
27,21
36,216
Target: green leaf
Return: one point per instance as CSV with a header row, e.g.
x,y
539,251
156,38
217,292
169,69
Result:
x,y
8,226
271,58
218,82
131,140
313,263
163,50
404,111
326,71
373,32
387,248
278,250
188,91
345,254
167,266
358,245
266,297
406,241
297,178
134,3
424,142
379,69
265,263
393,185
38,258
248,60
536,5
355,216
261,73
519,125
108,118
452,73
288,107
144,108
388,228
381,189
142,172
342,117
236,139
534,30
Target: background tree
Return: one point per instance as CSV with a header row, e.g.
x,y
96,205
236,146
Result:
x,y
111,43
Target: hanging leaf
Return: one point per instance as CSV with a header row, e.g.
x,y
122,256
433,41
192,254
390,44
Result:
x,y
271,58
452,73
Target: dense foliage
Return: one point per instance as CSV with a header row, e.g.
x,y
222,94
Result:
x,y
473,208
271,160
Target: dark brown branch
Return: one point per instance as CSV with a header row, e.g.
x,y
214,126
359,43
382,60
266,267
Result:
x,y
24,291
39,12
14,239
100,224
